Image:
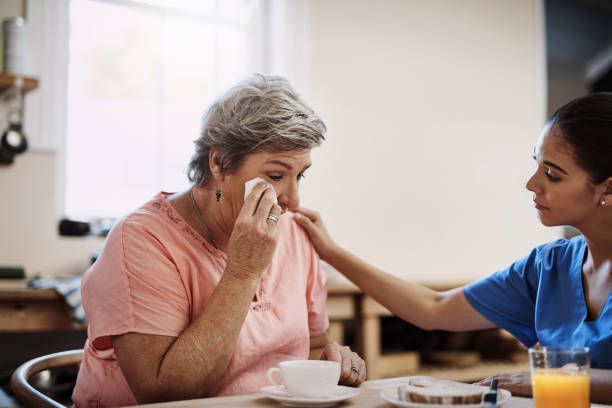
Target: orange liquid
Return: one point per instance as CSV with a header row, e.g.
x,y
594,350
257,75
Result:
x,y
560,388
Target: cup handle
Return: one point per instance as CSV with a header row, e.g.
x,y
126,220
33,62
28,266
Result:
x,y
270,372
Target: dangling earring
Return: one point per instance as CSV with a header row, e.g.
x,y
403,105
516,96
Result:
x,y
603,202
218,194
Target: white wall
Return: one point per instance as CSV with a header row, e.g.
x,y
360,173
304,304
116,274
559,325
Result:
x,y
28,234
10,8
433,110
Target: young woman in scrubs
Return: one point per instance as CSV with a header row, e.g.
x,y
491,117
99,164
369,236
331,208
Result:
x,y
559,294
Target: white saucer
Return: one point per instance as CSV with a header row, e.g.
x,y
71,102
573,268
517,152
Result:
x,y
390,395
280,394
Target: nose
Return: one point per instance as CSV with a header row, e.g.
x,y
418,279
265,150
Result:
x,y
289,198
531,183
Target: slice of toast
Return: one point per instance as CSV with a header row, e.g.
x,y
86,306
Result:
x,y
428,390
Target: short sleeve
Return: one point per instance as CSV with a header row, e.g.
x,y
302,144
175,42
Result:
x,y
135,286
508,297
316,296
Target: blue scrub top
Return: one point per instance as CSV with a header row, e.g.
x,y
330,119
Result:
x,y
540,299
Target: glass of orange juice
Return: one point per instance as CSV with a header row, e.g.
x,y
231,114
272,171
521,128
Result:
x,y
560,376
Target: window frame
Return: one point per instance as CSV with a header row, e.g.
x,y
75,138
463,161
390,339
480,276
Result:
x,y
282,35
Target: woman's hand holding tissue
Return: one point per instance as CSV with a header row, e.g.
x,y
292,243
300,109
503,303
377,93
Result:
x,y
255,234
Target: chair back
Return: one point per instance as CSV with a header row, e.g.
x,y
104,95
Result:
x,y
29,395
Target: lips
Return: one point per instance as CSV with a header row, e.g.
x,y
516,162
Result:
x,y
539,206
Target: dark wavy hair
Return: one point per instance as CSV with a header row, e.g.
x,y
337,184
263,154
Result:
x,y
585,124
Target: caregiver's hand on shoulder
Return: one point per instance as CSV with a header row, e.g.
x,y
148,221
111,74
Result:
x,y
255,234
313,224
519,384
352,367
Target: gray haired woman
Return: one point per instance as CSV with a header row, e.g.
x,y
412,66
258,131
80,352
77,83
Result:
x,y
199,293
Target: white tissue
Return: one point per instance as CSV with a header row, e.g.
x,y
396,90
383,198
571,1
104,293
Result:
x,y
248,187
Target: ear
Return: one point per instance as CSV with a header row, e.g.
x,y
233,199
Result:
x,y
607,193
216,166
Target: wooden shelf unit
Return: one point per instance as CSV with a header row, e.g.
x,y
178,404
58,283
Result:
x,y
346,301
26,309
7,80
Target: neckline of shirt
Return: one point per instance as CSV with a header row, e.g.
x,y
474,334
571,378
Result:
x,y
162,198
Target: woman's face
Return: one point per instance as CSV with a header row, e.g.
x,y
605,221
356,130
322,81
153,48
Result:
x,y
283,171
562,191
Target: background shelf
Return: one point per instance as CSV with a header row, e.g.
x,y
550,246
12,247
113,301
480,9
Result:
x,y
7,80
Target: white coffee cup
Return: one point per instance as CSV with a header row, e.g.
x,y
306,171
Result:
x,y
308,378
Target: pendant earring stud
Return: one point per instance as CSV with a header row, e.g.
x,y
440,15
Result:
x,y
218,194
603,202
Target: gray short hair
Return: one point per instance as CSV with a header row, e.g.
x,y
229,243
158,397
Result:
x,y
261,113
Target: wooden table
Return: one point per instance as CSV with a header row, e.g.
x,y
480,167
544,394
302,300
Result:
x,y
346,301
26,309
369,397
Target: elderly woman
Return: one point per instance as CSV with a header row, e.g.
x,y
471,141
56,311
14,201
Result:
x,y
561,293
199,293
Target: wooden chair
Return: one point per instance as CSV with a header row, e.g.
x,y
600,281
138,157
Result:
x,y
21,386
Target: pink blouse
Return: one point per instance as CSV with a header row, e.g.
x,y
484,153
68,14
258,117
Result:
x,y
154,276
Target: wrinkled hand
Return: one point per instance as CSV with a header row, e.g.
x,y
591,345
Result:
x,y
313,224
352,367
254,237
519,384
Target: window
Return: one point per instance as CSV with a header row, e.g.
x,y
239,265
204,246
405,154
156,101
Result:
x,y
140,74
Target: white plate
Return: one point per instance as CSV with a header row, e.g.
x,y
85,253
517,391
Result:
x,y
390,395
280,394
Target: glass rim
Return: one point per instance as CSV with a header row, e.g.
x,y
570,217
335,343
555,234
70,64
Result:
x,y
559,349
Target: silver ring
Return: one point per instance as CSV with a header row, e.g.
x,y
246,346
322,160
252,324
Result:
x,y
273,217
355,369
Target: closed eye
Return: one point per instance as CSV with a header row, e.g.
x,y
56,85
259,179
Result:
x,y
550,177
279,178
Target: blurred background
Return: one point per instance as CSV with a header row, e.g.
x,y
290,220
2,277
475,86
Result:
x,y
433,109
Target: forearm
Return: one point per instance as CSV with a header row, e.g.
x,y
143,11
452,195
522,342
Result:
x,y
601,386
197,360
412,302
419,305
317,345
